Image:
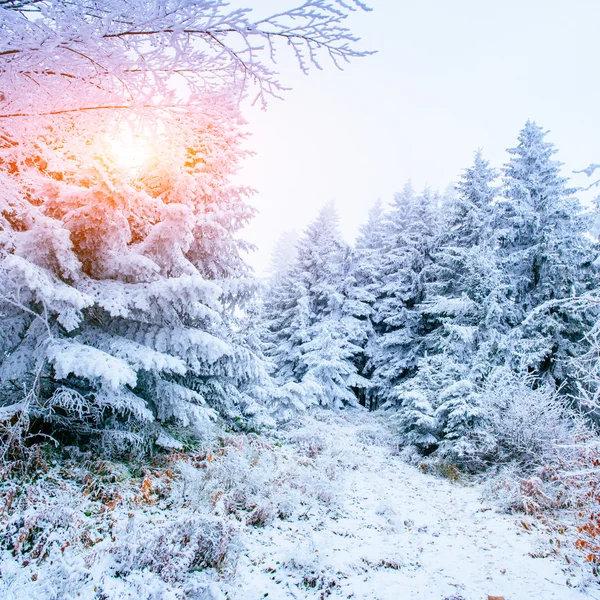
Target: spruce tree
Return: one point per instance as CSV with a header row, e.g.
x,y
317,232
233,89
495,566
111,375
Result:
x,y
367,273
462,296
409,238
120,287
311,320
546,255
283,255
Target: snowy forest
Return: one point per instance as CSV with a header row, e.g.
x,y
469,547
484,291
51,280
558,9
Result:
x,y
410,414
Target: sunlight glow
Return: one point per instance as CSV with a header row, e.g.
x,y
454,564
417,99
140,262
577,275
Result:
x,y
129,151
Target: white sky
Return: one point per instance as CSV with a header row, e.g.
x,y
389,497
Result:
x,y
449,77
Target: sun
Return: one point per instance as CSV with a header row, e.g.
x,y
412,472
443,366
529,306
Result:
x,y
129,151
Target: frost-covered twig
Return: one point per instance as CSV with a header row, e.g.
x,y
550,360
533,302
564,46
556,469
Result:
x,y
128,50
589,171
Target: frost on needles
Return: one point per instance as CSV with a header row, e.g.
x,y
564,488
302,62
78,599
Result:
x,y
118,297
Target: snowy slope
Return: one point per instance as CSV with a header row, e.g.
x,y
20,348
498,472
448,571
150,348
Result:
x,y
396,534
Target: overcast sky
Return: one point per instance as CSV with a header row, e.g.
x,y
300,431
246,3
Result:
x,y
449,77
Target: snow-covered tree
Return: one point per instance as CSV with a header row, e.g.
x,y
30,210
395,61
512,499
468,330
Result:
x,y
311,321
546,255
468,218
123,288
455,289
416,421
364,288
410,235
463,300
283,255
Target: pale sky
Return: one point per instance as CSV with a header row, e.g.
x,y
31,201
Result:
x,y
449,77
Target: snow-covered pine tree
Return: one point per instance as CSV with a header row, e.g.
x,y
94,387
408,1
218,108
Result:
x,y
416,421
546,256
468,214
119,289
310,319
410,233
463,294
283,255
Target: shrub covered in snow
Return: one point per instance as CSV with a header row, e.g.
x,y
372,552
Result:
x,y
529,424
75,524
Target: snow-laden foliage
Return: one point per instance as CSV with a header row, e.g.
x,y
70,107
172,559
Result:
x,y
121,267
120,53
540,229
546,459
171,528
367,274
409,237
464,319
450,293
505,290
586,368
118,291
528,425
313,329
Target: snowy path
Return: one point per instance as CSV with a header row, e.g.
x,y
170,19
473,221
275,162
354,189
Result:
x,y
397,534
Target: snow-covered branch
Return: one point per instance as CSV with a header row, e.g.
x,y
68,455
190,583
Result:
x,y
135,51
589,171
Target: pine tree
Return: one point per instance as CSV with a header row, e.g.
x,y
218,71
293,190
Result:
x,y
312,327
468,219
545,254
283,255
410,234
416,421
120,289
367,271
463,295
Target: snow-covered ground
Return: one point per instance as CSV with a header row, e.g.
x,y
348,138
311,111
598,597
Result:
x,y
323,507
396,533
